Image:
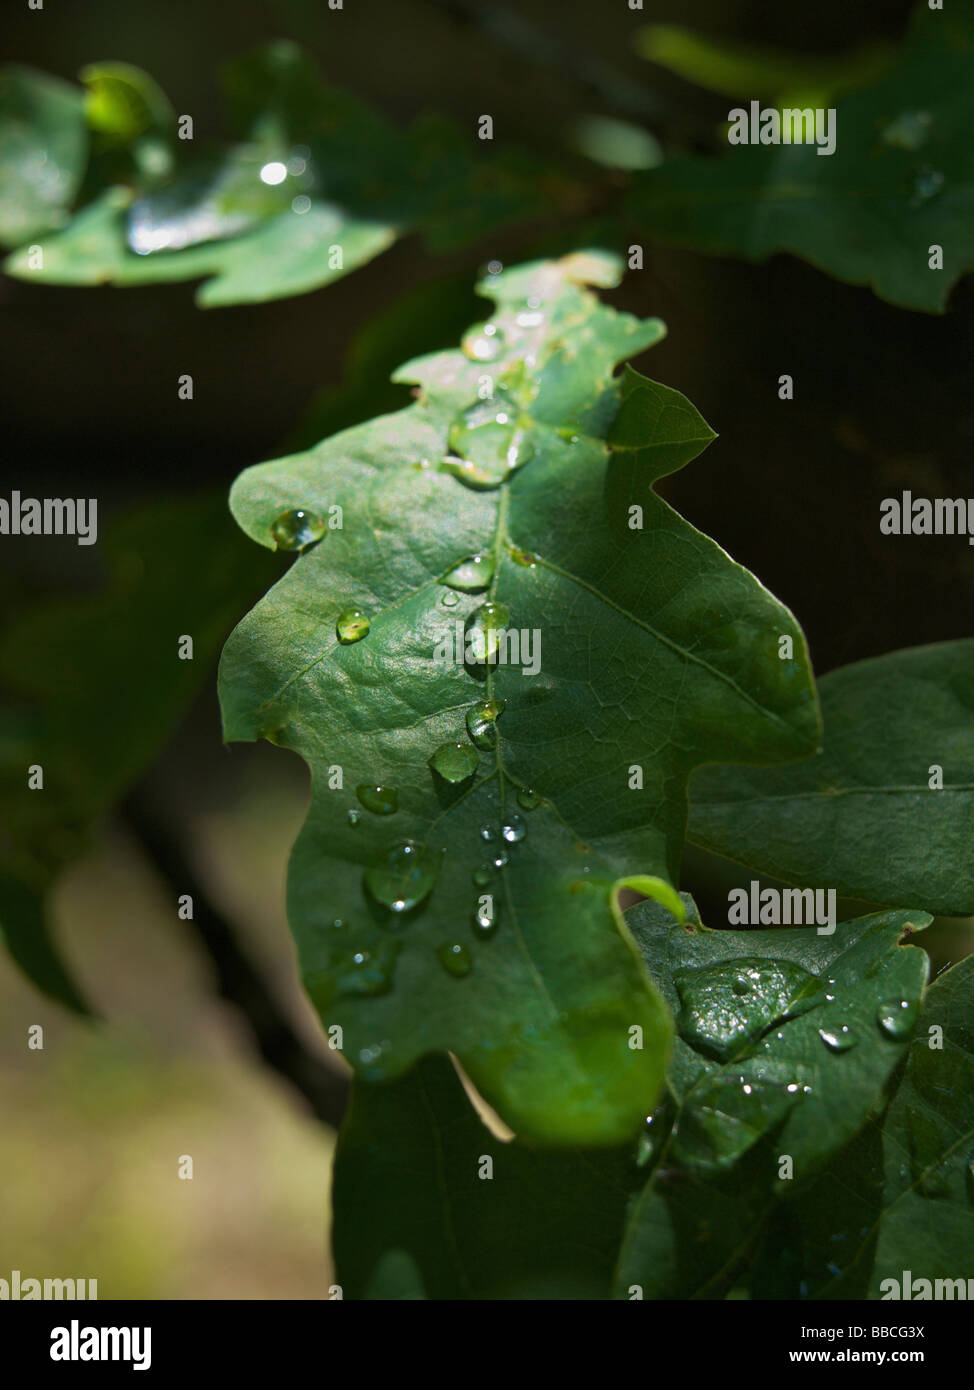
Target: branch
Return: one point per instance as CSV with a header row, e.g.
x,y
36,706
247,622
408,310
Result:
x,y
323,1087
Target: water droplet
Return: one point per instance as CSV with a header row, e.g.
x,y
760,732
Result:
x,y
352,626
486,916
450,600
896,1018
455,959
482,633
490,434
483,343
527,799
381,801
487,832
482,722
454,762
838,1039
471,574
482,876
337,924
369,971
471,474
403,878
500,859
514,829
368,1055
354,816
296,530
529,319
727,1007
519,452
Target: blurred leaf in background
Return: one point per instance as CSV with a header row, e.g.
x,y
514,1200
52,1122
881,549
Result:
x,y
899,181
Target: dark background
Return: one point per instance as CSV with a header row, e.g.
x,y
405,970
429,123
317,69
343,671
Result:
x,y
89,407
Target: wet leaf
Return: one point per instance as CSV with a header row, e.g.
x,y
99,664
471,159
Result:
x,y
816,1066
43,151
318,185
897,1204
656,652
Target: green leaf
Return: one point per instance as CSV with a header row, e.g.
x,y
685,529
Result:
x,y
657,651
43,151
418,1211
290,254
900,1197
753,70
788,1043
898,182
861,817
322,185
92,686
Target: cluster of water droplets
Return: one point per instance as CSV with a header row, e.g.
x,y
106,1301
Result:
x,y
488,441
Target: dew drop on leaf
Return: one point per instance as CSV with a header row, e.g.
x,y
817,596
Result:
x,y
513,829
296,530
486,916
471,574
482,721
483,343
354,816
727,1007
896,1018
527,799
454,762
482,632
369,971
450,600
471,475
482,875
380,800
838,1039
403,878
352,626
455,959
